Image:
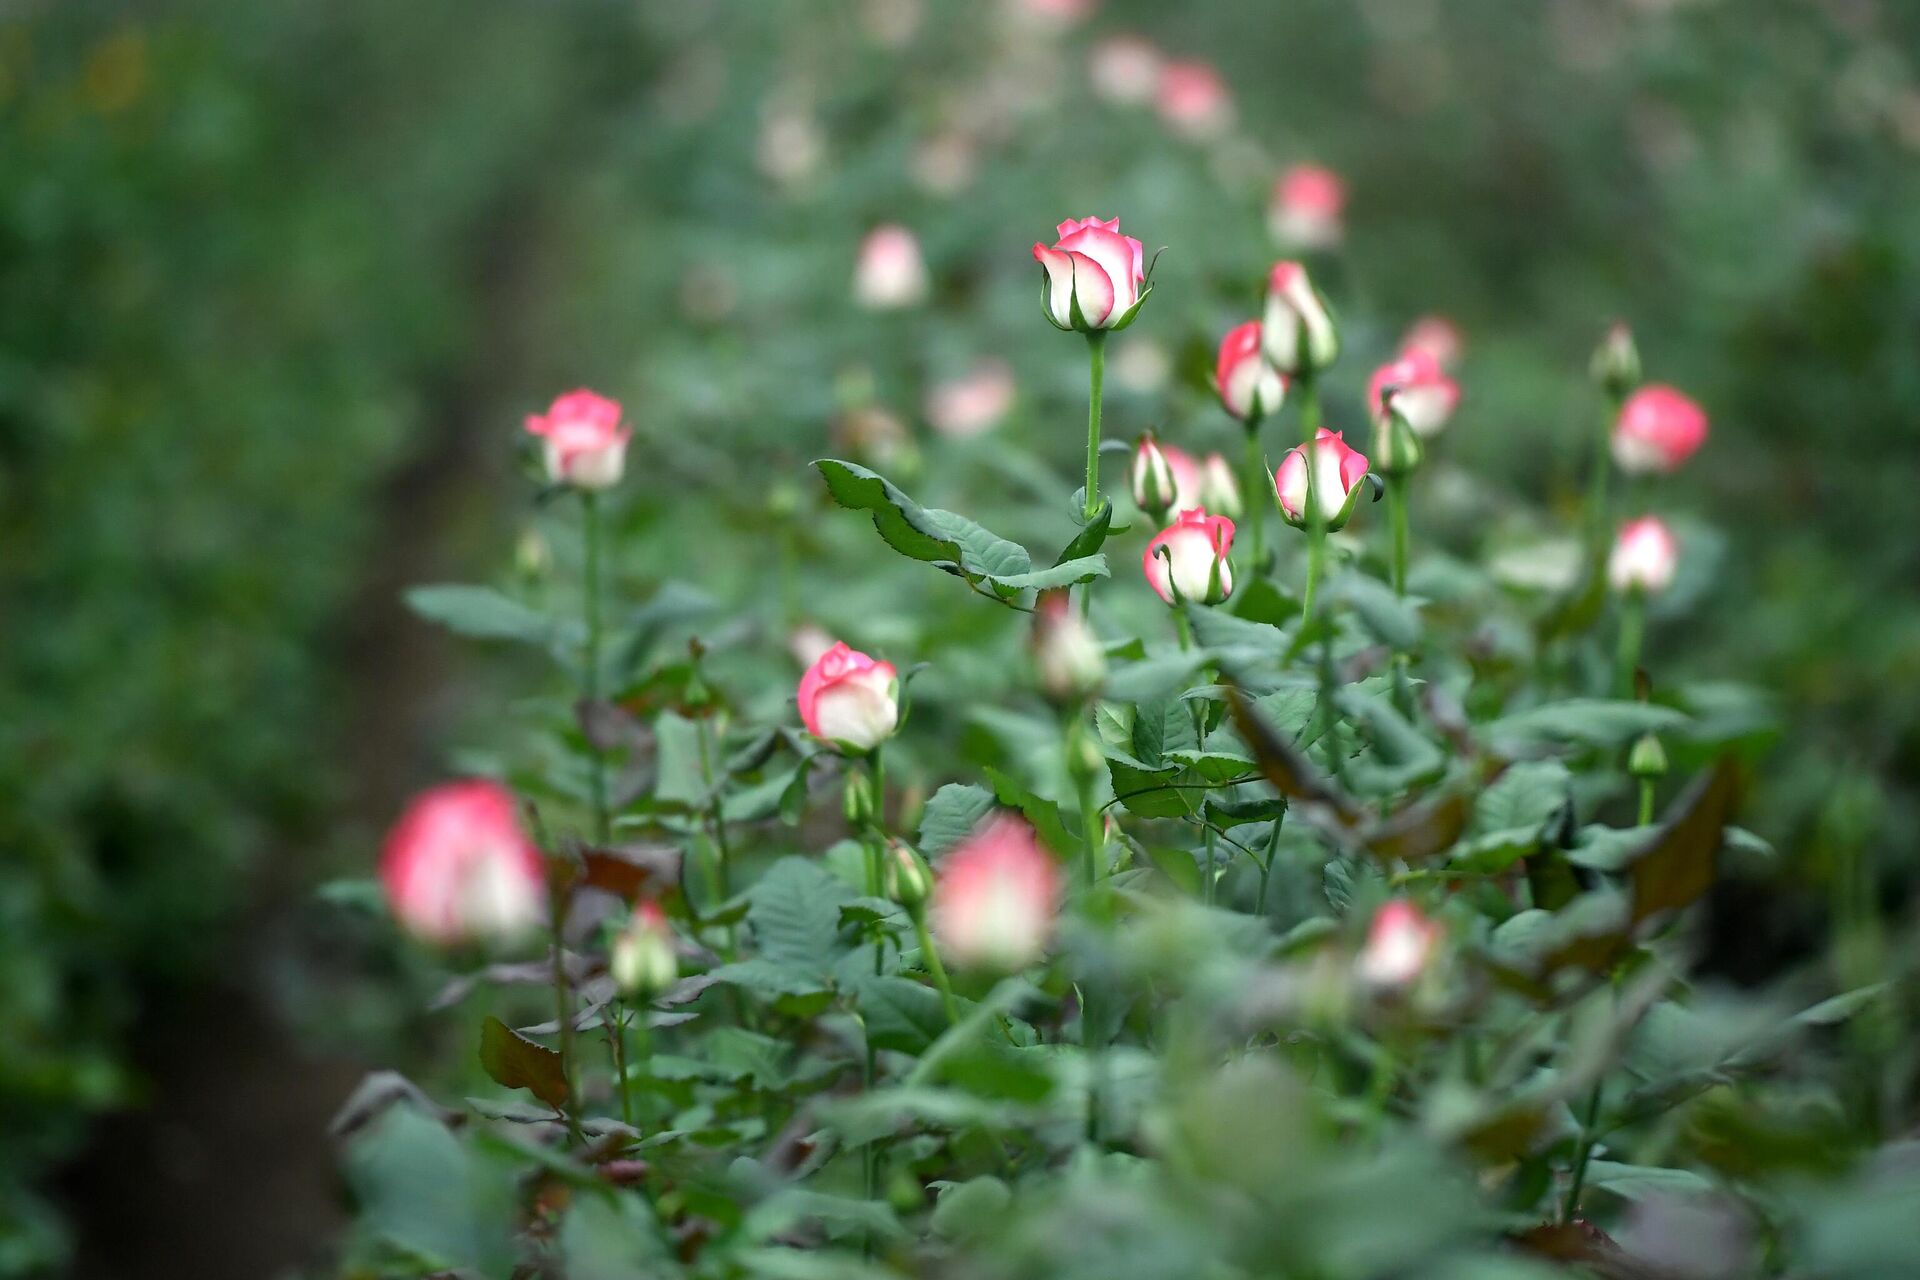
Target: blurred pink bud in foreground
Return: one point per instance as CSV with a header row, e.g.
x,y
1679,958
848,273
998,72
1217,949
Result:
x,y
849,699
1193,100
1644,557
889,273
972,404
993,902
1401,942
1067,655
585,445
458,867
1658,429
1304,213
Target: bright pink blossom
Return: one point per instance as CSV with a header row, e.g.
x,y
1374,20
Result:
x,y
849,699
1644,557
1093,265
1337,472
1249,385
1658,429
1193,99
1190,557
1400,943
458,866
994,899
586,446
1426,397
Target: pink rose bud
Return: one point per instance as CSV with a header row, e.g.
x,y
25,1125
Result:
x,y
642,960
1337,473
1187,560
973,404
1193,100
586,446
1437,337
890,273
1401,942
850,700
1297,331
1658,429
1096,277
1219,487
993,901
1426,396
1249,386
1304,213
458,866
1163,478
1067,655
1644,557
1124,70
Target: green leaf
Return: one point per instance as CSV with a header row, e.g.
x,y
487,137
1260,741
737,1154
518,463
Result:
x,y
899,1013
482,613
680,779
973,1209
1091,537
794,912
1594,722
1161,793
1678,865
516,1062
421,1190
1525,795
1392,620
1042,813
951,816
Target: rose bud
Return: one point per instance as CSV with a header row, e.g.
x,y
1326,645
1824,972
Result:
x,y
1648,757
1249,386
1337,472
586,446
1644,557
1401,942
458,866
1187,560
1297,332
1096,277
1438,337
1163,478
973,404
1397,450
1219,487
889,273
1616,362
1193,100
1657,430
1067,656
642,960
909,878
850,700
993,900
1305,210
1124,70
1426,397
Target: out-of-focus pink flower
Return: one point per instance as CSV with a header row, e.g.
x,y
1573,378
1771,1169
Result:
x,y
642,959
1304,213
1066,654
1425,396
1438,337
1193,99
791,146
1095,270
1190,557
1220,487
1125,70
1401,942
890,273
972,404
1249,385
1644,557
1163,478
585,445
849,699
1337,472
1658,429
1297,330
458,866
993,901
1053,15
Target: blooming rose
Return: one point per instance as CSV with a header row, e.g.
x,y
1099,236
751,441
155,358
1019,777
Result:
x,y
889,273
972,404
1658,429
1163,478
1249,386
1066,654
586,446
1187,560
1400,942
458,866
642,960
1124,70
993,901
1337,471
1644,557
1096,277
1437,336
1305,210
1297,332
1219,487
850,700
1425,395
1193,100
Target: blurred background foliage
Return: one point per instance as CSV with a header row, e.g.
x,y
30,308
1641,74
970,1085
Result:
x,y
277,282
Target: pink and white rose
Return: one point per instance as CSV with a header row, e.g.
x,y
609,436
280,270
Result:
x,y
1401,942
995,896
1644,557
1423,393
1338,472
459,867
1658,429
1163,478
849,699
1188,560
584,443
643,960
1096,277
1305,212
1297,330
1250,387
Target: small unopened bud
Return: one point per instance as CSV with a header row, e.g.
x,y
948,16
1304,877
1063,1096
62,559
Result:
x,y
909,878
643,962
857,802
1067,656
1616,362
1647,759
1220,488
1154,486
1397,450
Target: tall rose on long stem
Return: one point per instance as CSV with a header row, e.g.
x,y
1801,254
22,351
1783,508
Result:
x,y
1251,389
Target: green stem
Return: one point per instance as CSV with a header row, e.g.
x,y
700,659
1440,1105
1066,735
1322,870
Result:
x,y
1266,868
1583,1156
563,1011
1646,801
1632,628
1599,518
1258,491
1096,375
1397,517
931,955
590,676
1316,525
1092,827
616,1025
1181,626
1207,884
